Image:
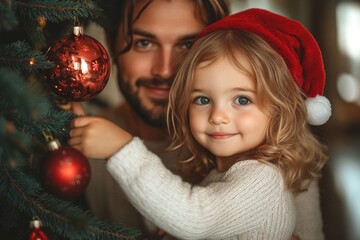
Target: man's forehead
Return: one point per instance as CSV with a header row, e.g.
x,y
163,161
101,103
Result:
x,y
178,16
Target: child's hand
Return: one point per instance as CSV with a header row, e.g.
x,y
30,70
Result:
x,y
97,137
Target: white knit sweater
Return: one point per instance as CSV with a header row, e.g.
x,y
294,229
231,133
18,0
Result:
x,y
249,201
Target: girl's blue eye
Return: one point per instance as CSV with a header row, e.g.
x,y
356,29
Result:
x,y
242,100
202,100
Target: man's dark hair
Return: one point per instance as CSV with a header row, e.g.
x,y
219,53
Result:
x,y
121,12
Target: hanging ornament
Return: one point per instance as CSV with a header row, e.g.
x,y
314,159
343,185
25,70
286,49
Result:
x,y
36,232
65,171
82,67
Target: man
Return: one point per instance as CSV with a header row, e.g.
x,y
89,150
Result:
x,y
161,33
147,45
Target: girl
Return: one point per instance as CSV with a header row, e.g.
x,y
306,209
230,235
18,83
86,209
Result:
x,y
240,104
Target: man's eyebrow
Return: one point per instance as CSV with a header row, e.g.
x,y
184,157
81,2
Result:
x,y
191,36
143,33
188,37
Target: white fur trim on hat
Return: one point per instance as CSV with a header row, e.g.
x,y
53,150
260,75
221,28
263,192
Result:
x,y
318,109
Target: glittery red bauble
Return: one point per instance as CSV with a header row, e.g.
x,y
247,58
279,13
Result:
x,y
65,172
82,67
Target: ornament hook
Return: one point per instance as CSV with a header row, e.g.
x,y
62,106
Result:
x,y
78,30
47,135
76,21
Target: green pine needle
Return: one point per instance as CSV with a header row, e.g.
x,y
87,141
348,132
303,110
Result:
x,y
19,55
28,101
8,19
57,10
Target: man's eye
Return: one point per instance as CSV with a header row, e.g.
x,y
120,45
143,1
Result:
x,y
142,43
242,100
188,45
202,100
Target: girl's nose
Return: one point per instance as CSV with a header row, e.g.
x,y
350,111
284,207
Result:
x,y
219,116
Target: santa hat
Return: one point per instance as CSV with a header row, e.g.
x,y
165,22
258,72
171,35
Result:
x,y
295,44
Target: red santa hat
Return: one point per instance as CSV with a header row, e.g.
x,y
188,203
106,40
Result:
x,y
295,44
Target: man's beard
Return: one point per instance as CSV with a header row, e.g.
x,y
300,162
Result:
x,y
155,116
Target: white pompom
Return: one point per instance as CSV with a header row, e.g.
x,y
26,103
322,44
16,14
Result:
x,y
318,109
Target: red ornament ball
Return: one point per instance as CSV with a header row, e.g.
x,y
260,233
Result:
x,y
82,67
65,172
36,231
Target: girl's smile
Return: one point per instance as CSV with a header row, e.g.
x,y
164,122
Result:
x,y
218,136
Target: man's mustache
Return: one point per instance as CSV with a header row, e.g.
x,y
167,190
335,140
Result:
x,y
152,82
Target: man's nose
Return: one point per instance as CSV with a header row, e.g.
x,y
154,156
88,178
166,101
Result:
x,y
164,63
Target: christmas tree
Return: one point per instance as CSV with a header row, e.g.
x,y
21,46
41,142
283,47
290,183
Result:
x,y
30,116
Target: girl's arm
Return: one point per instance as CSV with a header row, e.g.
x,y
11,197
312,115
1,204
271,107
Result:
x,y
250,197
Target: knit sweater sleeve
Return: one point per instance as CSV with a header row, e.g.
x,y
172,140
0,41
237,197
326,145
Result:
x,y
237,204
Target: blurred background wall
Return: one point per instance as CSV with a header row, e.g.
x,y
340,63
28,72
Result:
x,y
336,26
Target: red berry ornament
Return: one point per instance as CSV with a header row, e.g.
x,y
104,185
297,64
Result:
x,y
36,232
65,171
82,67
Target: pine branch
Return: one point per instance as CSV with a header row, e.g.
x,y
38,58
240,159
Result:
x,y
19,55
35,34
30,111
8,20
62,217
28,102
13,84
13,148
56,122
26,112
9,216
57,10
